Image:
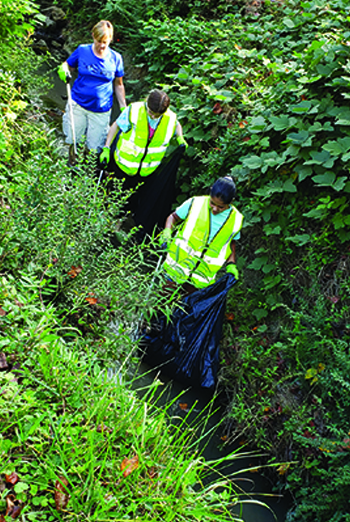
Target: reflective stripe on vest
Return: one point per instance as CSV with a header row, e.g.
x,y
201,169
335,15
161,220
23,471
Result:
x,y
134,152
191,257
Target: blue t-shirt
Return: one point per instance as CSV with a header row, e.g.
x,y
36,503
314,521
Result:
x,y
216,220
93,89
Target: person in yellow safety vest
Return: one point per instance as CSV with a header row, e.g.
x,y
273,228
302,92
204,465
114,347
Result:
x,y
143,132
206,239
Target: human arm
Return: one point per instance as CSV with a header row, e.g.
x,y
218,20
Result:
x,y
231,267
165,235
113,130
105,154
171,220
119,90
179,135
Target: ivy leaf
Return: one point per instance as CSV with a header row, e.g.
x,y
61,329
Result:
x,y
302,107
318,158
325,180
300,240
298,137
333,148
340,183
258,263
289,23
257,124
303,172
252,162
282,122
288,186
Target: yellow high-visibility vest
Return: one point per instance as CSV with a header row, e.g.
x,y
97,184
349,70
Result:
x,y
191,256
135,153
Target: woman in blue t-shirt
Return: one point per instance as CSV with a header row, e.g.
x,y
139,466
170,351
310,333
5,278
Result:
x,y
100,73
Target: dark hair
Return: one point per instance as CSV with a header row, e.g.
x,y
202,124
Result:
x,y
224,189
158,101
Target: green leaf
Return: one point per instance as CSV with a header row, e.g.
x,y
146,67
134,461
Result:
x,y
289,23
318,158
300,240
340,146
257,124
282,122
302,107
340,183
20,487
288,186
324,180
316,213
258,263
303,171
298,137
252,162
333,148
270,229
271,281
260,313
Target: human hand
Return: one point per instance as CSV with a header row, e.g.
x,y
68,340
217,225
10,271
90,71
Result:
x,y
164,238
232,269
105,156
64,72
181,141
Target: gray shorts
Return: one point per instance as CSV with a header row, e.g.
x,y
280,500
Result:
x,y
93,125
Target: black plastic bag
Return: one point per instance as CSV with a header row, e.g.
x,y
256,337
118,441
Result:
x,y
188,346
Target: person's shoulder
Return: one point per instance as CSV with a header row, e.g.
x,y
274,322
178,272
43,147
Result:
x,y
84,47
116,56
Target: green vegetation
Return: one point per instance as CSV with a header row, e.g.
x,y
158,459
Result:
x,y
262,91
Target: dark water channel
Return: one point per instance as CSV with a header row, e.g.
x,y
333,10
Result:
x,y
254,484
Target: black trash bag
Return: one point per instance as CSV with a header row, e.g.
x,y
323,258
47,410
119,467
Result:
x,y
156,195
188,346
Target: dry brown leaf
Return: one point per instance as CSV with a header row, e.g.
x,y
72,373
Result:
x,y
61,493
3,362
74,271
129,465
183,406
13,506
12,479
2,312
92,299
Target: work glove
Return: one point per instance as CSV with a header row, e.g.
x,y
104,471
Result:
x,y
232,269
164,238
122,109
181,141
105,156
64,72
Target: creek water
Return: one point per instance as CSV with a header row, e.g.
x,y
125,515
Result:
x,y
256,486
252,485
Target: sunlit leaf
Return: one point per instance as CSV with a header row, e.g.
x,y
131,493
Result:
x,y
61,493
129,465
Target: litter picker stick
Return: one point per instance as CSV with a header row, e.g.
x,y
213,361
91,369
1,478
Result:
x,y
70,105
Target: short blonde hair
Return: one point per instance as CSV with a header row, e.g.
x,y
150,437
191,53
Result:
x,y
102,29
